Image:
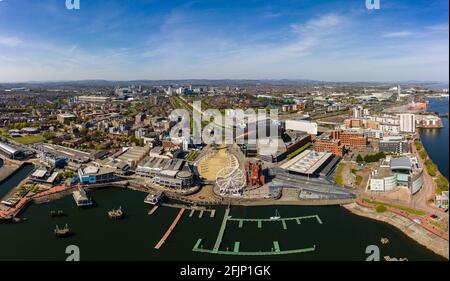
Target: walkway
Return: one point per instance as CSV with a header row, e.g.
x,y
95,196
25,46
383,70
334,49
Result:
x,y
171,228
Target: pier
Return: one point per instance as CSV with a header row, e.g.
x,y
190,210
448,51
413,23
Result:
x,y
283,220
221,231
236,252
276,250
169,231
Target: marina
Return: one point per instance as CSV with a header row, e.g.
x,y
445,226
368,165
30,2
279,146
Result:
x,y
99,235
274,251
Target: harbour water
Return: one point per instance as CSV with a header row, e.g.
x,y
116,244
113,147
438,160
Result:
x,y
342,236
436,141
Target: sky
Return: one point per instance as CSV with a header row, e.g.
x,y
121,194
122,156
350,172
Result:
x,y
333,40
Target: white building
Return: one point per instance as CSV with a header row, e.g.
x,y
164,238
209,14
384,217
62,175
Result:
x,y
302,126
407,123
358,112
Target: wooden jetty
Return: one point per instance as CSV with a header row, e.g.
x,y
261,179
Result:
x,y
172,226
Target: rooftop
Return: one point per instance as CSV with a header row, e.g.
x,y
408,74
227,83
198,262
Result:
x,y
308,162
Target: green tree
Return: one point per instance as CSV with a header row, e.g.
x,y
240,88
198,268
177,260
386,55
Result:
x,y
359,159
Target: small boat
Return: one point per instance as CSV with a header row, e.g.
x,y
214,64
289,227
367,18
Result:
x,y
384,240
58,213
116,214
277,216
62,232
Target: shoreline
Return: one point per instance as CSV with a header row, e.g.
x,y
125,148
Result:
x,y
420,235
416,232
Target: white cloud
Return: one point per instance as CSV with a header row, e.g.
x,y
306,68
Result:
x,y
10,41
319,23
398,34
438,27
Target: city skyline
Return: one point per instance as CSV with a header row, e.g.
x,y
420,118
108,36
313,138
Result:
x,y
157,40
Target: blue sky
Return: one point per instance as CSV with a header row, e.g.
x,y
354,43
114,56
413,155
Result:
x,y
337,40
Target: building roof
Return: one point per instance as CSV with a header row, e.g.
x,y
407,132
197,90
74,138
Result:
x,y
401,163
39,173
307,162
7,148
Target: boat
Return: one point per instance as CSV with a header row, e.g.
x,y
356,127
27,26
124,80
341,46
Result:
x,y
81,198
62,232
115,214
384,240
154,198
58,213
277,216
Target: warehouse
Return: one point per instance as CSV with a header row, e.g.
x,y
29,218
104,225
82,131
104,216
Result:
x,y
11,152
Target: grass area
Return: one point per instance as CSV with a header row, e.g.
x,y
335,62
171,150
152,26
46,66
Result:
x,y
25,140
442,225
441,184
380,208
300,150
358,180
405,209
339,179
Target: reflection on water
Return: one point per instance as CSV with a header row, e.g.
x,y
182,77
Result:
x,y
342,236
436,141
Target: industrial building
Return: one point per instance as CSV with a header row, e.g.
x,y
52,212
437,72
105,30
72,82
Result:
x,y
11,152
62,152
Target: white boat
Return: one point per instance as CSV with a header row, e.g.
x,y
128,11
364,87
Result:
x,y
277,216
81,198
154,198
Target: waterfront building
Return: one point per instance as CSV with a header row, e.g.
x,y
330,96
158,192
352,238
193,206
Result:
x,y
407,123
170,173
397,172
93,174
